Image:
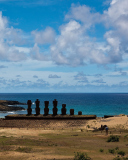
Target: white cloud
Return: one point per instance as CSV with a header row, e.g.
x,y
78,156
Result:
x,y
54,76
117,18
9,37
45,36
98,81
35,76
81,77
35,53
113,2
75,47
84,14
3,22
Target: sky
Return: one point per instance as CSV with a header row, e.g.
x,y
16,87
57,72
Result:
x,y
74,46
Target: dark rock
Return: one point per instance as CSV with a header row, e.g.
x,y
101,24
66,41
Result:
x,y
108,116
4,105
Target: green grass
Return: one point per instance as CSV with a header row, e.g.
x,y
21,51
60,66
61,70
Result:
x,y
113,138
112,151
122,153
65,143
24,149
81,156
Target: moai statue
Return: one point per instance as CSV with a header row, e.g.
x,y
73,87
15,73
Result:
x,y
29,103
37,109
63,110
55,109
79,113
71,111
46,109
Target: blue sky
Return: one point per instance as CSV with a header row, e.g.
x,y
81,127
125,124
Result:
x,y
63,46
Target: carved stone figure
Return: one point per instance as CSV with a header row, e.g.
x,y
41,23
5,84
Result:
x,y
37,109
79,113
63,110
29,103
71,111
55,109
46,109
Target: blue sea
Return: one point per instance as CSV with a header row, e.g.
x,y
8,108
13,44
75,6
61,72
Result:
x,y
99,104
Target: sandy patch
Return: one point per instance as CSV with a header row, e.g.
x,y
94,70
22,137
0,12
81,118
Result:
x,y
120,122
16,132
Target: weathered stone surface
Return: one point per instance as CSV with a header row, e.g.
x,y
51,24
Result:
x,y
4,105
37,109
71,111
29,103
79,113
55,109
63,110
46,109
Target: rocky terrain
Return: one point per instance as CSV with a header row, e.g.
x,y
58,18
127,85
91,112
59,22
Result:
x,y
4,105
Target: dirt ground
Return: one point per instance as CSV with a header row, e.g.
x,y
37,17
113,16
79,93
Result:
x,y
61,140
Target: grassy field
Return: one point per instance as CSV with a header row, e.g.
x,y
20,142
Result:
x,y
39,144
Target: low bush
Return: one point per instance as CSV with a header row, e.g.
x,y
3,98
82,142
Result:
x,y
88,126
117,148
111,151
122,153
81,156
117,158
113,138
101,150
125,158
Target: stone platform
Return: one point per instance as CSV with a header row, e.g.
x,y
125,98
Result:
x,y
50,116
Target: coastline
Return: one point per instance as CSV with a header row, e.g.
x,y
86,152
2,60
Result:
x,y
7,105
99,104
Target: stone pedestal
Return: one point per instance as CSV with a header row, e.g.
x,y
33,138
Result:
x,y
79,113
29,110
55,109
37,109
71,111
46,109
63,110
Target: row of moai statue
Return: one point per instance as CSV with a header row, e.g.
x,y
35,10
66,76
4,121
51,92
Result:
x,y
46,109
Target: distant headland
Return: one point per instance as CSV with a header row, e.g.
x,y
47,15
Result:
x,y
6,105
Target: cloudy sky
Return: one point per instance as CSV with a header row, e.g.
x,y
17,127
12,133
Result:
x,y
63,46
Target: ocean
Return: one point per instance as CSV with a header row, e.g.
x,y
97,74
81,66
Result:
x,y
99,104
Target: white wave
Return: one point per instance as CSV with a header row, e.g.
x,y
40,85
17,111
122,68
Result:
x,y
11,112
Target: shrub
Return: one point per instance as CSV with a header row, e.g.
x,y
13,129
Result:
x,y
88,126
117,148
111,151
122,153
116,158
125,158
81,156
113,139
101,150
126,136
